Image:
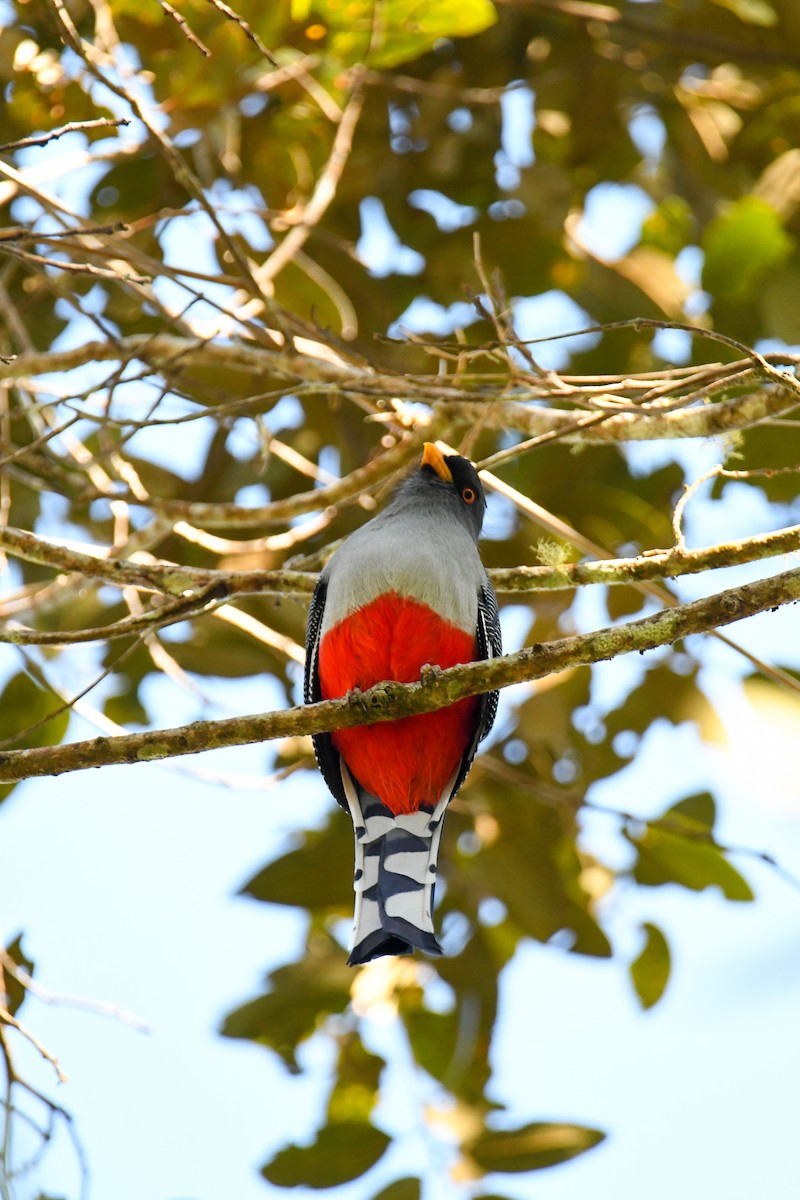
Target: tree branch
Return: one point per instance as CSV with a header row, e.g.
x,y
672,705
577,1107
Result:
x,y
195,590
710,420
656,564
466,398
168,578
389,701
195,587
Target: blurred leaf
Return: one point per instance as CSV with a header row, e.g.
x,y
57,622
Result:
x,y
433,1036
650,970
316,875
528,861
780,304
669,690
22,706
669,227
624,602
301,995
490,1196
463,1067
355,1091
741,246
407,28
753,12
686,858
408,1188
531,1147
15,993
342,1151
764,444
698,811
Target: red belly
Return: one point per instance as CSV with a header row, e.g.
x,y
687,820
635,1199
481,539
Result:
x,y
405,763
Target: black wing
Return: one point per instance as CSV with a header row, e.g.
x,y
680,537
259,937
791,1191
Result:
x,y
490,645
324,750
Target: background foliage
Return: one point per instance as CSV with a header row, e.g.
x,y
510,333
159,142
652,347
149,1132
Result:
x,y
319,170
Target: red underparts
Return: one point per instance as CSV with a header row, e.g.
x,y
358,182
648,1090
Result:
x,y
405,763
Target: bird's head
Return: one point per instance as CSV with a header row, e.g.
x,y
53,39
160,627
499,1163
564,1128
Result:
x,y
449,479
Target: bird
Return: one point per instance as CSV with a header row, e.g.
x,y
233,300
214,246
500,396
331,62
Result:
x,y
405,590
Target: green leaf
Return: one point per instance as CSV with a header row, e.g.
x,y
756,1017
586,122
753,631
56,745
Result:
x,y
23,705
650,971
668,693
753,12
462,1066
407,29
358,1073
779,305
317,875
532,1147
408,1188
680,850
15,993
531,865
698,811
490,1196
669,227
342,1151
302,994
433,1036
776,445
741,246
624,602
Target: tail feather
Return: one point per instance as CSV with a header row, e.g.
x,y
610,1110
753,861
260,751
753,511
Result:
x,y
395,874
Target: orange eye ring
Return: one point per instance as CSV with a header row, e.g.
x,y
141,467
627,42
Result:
x,y
468,495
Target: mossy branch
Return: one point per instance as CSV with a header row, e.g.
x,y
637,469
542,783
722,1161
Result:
x,y
193,588
389,701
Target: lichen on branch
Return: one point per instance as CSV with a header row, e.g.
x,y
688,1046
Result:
x,y
389,701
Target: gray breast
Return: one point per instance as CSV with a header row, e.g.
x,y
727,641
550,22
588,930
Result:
x,y
437,563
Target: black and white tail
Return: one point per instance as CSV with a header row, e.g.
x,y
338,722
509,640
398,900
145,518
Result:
x,y
395,874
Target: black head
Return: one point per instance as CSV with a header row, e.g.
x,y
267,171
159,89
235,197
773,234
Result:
x,y
456,477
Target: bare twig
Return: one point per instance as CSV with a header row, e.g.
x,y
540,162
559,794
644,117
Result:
x,y
42,139
63,264
7,1018
185,28
58,998
31,235
145,622
245,28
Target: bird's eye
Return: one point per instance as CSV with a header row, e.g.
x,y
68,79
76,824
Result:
x,y
468,495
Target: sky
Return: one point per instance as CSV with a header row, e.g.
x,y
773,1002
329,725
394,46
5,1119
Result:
x,y
125,884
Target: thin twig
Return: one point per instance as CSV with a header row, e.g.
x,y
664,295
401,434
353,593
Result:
x,y
42,139
245,28
7,1018
185,28
61,264
50,235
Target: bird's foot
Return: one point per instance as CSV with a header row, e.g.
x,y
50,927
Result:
x,y
355,699
429,673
